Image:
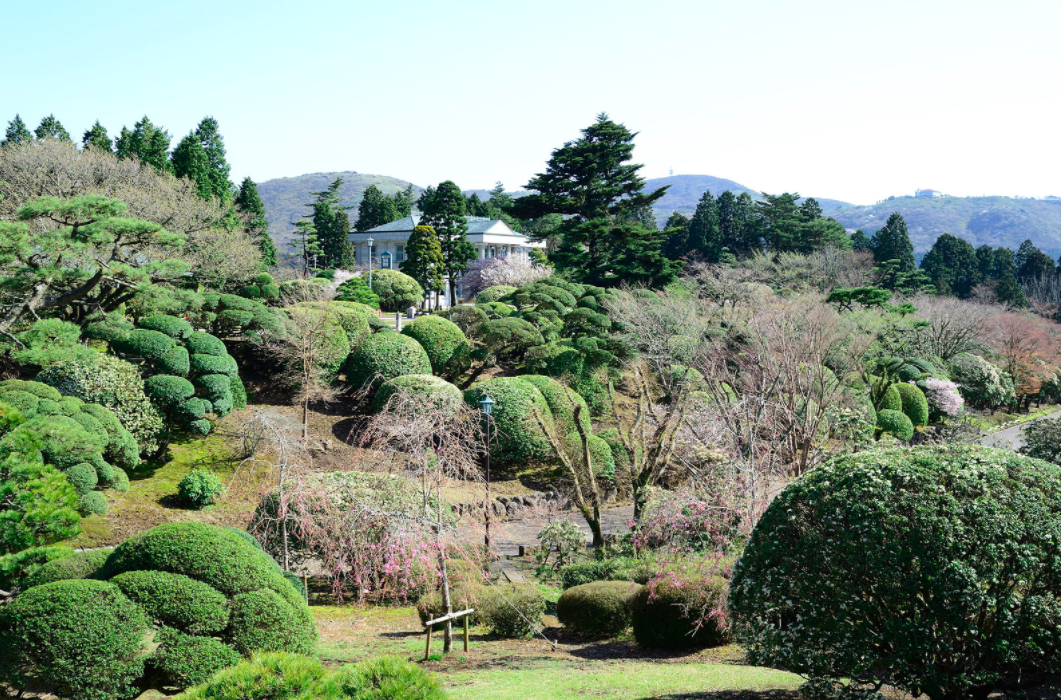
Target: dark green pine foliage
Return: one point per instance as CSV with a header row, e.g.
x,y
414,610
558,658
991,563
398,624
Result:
x,y
50,128
752,236
593,184
677,229
306,245
782,221
1032,263
332,224
444,211
423,259
729,222
819,231
705,237
859,240
497,207
892,242
403,203
1000,265
189,160
16,132
250,204
375,210
97,137
952,266
146,142
475,206
218,169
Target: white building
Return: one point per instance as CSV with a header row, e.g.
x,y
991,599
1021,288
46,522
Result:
x,y
491,238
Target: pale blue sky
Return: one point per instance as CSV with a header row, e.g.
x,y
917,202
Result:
x,y
849,99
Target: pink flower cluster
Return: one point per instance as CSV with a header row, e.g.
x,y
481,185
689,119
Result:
x,y
943,396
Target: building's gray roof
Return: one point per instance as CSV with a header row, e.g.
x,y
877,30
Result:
x,y
476,224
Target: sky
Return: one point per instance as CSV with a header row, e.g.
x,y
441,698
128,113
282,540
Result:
x,y
847,100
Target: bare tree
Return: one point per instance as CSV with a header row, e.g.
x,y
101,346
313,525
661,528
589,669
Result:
x,y
953,325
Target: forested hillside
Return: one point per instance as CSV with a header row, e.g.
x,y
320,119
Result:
x,y
286,198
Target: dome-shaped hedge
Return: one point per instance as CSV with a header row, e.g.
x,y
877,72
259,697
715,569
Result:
x,y
895,423
397,291
176,600
562,402
435,393
666,615
144,343
384,356
904,566
172,326
86,564
915,405
515,432
892,401
601,608
445,344
493,293
201,343
83,636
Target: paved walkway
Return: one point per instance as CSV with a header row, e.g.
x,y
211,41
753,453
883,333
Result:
x,y
1010,438
509,535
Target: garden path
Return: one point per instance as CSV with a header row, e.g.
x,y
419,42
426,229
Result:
x,y
1010,438
524,530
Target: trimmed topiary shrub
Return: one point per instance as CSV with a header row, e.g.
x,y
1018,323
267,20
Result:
x,y
176,362
601,608
108,328
200,343
214,364
121,448
185,660
38,389
174,327
276,676
895,423
445,344
516,434
515,615
16,568
82,477
679,616
86,564
175,600
510,338
384,356
200,487
263,620
907,591
356,289
217,389
386,678
239,393
83,636
562,402
396,291
92,502
435,393
63,441
914,403
612,569
168,390
494,293
892,401
144,343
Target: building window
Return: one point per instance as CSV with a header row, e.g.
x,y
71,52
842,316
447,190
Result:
x,y
400,257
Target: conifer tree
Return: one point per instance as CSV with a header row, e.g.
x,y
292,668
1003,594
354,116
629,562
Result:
x,y
50,128
146,142
859,240
952,267
217,165
374,210
306,245
892,242
677,229
705,236
16,132
332,225
97,137
423,259
751,224
189,160
1032,263
250,204
402,203
593,184
444,212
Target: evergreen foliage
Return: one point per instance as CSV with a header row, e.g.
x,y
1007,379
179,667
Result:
x,y
443,210
445,344
375,210
96,137
601,608
356,289
384,356
397,291
434,393
423,259
952,266
147,143
895,423
516,434
332,226
16,132
249,203
667,615
50,128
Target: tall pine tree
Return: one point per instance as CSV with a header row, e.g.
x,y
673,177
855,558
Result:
x,y
952,267
444,211
17,132
306,245
403,203
374,210
146,142
189,160
592,182
705,236
892,242
217,165
332,224
50,128
249,203
677,229
96,137
423,259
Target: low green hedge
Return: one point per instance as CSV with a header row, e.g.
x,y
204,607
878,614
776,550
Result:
x,y
172,326
176,362
168,390
384,356
144,343
513,610
263,620
83,636
895,423
611,569
445,344
176,600
213,364
665,615
434,393
516,435
185,660
79,565
494,293
601,608
914,403
200,343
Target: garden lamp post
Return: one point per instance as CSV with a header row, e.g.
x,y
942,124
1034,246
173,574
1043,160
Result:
x,y
370,242
487,404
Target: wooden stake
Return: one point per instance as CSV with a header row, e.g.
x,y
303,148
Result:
x,y
427,652
466,633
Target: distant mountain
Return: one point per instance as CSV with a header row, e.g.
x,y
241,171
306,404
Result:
x,y
285,198
686,190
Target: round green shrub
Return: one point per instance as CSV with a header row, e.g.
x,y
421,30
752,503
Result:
x,y
250,291
168,390
509,338
64,442
665,615
494,293
445,344
93,426
214,364
356,289
46,407
185,660
385,678
601,608
109,328
25,402
194,409
82,477
892,401
263,278
83,636
434,393
70,405
176,362
515,432
892,561
200,343
384,356
270,292
121,447
217,389
601,457
175,600
92,502
38,389
271,676
895,423
915,405
513,610
562,402
114,384
119,480
239,393
87,564
396,291
200,487
174,327
200,427
263,620
144,343
331,343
